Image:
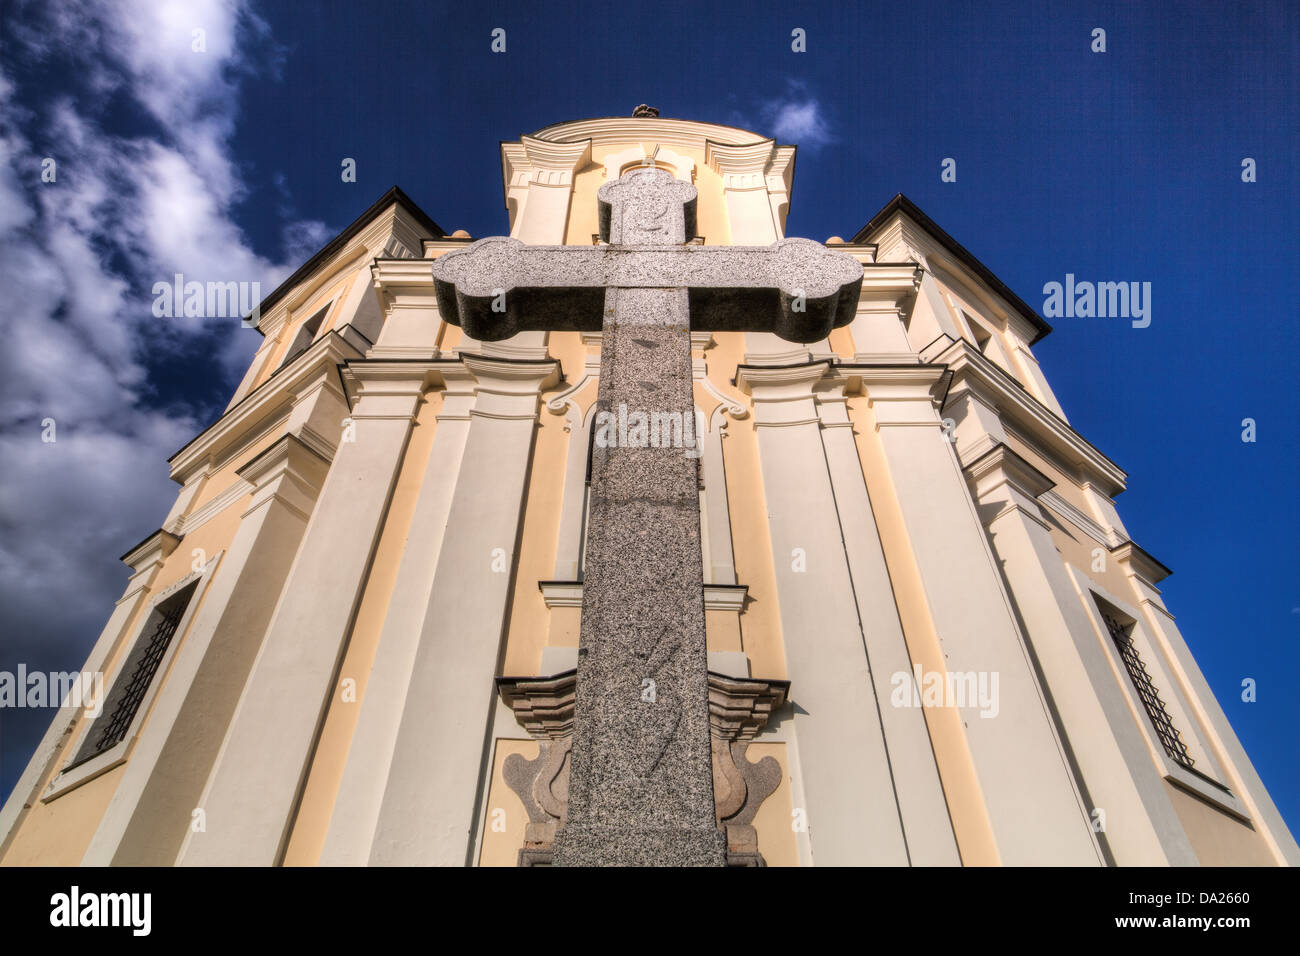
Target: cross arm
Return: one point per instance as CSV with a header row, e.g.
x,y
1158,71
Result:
x,y
498,287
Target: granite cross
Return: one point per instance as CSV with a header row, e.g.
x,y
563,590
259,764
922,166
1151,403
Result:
x,y
641,782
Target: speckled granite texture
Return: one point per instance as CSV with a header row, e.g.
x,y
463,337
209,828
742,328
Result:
x,y
641,786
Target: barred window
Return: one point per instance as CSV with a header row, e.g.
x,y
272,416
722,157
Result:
x,y
137,673
1170,738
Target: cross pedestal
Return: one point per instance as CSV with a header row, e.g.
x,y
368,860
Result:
x,y
641,783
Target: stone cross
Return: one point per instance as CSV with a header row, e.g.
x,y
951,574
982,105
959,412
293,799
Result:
x,y
641,783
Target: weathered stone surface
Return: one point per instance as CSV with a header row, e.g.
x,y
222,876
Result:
x,y
641,788
499,287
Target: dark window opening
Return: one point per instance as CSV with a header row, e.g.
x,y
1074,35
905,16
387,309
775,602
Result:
x,y
1170,738
138,672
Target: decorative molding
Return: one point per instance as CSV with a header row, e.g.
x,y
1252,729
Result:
x,y
738,710
610,131
733,407
1147,568
1053,501
717,597
1070,450
683,166
244,423
590,372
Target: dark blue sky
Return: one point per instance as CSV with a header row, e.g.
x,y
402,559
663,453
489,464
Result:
x,y
1122,166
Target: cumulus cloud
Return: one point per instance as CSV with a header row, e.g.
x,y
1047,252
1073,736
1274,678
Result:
x,y
78,259
797,117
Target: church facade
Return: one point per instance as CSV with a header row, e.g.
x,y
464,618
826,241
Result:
x,y
357,637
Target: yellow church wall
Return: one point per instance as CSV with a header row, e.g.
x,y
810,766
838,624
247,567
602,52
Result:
x,y
302,313
529,623
1075,545
751,544
326,772
226,474
58,833
711,221
961,788
774,822
1217,838
505,821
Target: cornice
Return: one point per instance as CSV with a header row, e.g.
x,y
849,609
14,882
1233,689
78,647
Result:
x,y
270,398
740,166
1030,415
415,221
156,547
895,382
901,206
801,374
1000,463
717,597
606,131
1143,564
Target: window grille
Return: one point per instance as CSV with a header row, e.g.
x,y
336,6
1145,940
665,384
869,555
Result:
x,y
138,672
1170,739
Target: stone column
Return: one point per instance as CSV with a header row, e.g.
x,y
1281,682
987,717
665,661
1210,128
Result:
x,y
254,787
150,812
1036,814
430,794
852,810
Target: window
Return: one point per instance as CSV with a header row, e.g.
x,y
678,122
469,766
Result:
x,y
306,335
1170,738
135,676
981,335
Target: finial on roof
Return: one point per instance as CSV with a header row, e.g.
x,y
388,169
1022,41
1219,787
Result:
x,y
651,112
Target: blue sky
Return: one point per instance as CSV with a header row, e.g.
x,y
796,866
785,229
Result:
x,y
1115,166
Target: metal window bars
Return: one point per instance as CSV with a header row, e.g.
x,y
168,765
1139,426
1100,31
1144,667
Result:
x,y
144,662
1170,738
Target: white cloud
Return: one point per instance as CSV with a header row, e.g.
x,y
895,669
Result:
x,y
78,258
797,117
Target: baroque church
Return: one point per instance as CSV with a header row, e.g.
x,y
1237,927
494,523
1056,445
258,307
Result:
x,y
425,597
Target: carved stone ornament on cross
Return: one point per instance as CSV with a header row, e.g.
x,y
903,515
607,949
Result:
x,y
641,789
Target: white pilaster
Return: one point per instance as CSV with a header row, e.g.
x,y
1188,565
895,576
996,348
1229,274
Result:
x,y
852,809
921,802
429,803
254,787
152,807
1141,826
361,791
1033,807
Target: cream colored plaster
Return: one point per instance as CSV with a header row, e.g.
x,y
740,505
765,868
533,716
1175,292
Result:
x,y
505,819
527,621
774,822
1218,839
326,772
952,756
760,622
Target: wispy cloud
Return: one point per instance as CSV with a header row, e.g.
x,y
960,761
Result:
x,y
797,117
78,259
